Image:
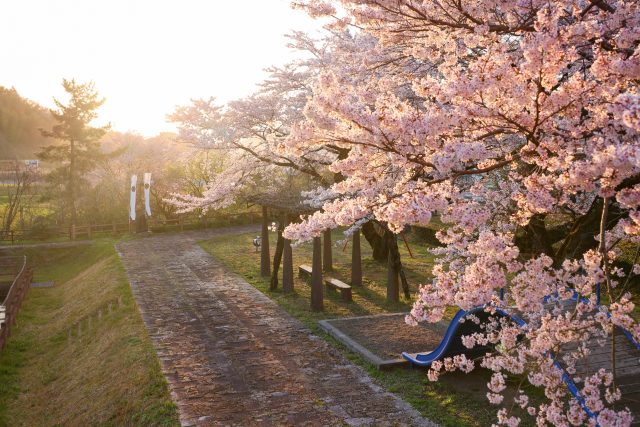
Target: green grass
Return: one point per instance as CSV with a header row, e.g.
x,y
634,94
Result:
x,y
442,401
445,401
238,254
109,375
32,207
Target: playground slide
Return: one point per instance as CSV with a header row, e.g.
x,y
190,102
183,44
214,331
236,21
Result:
x,y
451,345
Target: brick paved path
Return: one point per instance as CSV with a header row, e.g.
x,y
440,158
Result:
x,y
233,357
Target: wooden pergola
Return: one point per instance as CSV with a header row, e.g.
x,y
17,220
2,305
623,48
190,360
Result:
x,y
289,206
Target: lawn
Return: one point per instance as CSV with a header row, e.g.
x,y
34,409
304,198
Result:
x,y
456,400
238,253
108,374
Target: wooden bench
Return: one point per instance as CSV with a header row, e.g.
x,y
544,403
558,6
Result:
x,y
304,271
338,285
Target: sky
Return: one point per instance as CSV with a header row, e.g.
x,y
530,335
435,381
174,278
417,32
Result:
x,y
144,56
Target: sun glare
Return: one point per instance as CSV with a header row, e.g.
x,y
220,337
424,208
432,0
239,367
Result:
x,y
144,56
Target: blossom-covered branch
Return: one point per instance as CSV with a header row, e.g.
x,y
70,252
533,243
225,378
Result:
x,y
516,123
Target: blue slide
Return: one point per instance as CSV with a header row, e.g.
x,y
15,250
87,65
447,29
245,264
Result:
x,y
451,345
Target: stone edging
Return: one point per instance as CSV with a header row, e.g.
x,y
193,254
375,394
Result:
x,y
379,363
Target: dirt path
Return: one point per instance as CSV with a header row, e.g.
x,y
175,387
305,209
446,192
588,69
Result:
x,y
233,357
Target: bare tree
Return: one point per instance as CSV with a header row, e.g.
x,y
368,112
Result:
x,y
20,181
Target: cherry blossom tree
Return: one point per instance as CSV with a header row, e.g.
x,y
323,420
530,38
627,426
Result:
x,y
251,132
517,123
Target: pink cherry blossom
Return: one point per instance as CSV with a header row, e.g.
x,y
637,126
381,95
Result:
x,y
501,119
515,123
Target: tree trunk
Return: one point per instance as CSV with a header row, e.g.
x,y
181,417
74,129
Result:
x,y
377,240
579,238
13,203
277,257
72,182
575,237
394,265
405,283
540,237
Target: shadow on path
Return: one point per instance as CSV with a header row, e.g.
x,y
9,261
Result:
x,y
234,357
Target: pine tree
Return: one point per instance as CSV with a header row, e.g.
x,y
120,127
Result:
x,y
78,149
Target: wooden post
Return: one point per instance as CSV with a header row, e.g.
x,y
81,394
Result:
x,y
393,289
180,223
287,264
277,259
265,268
327,258
356,260
72,232
317,303
113,226
89,231
287,267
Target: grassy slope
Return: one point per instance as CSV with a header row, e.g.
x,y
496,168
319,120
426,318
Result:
x,y
108,376
442,402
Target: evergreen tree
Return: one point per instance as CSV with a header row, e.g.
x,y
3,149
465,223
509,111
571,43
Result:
x,y
78,149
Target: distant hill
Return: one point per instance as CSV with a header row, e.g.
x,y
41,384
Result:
x,y
20,121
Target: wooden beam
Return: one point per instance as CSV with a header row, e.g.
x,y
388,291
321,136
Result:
x,y
327,256
277,259
287,261
265,268
356,260
317,297
287,267
393,288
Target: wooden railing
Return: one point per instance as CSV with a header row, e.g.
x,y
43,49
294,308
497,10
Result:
x,y
17,291
90,231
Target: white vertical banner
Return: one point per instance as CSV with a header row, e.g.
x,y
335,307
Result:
x,y
132,202
147,191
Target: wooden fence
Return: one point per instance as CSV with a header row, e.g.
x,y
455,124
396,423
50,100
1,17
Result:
x,y
90,231
15,294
